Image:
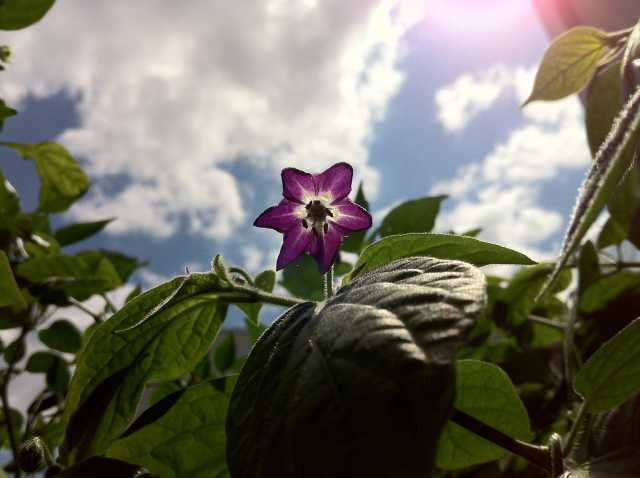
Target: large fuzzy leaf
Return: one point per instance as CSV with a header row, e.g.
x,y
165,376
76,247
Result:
x,y
360,385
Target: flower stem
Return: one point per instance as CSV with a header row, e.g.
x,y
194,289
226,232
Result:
x,y
536,455
576,429
328,283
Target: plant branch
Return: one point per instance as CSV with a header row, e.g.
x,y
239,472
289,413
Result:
x,y
96,317
549,323
575,429
6,409
240,294
536,455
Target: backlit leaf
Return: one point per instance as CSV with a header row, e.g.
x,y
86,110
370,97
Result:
x,y
442,246
485,392
161,334
11,295
417,215
79,231
608,288
62,181
569,63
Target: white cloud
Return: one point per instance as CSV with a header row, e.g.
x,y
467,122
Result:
x,y
169,95
501,193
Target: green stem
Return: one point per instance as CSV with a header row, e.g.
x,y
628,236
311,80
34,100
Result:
x,y
242,294
575,429
328,283
96,317
549,323
536,455
6,409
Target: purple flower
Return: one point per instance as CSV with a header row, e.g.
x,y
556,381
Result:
x,y
314,215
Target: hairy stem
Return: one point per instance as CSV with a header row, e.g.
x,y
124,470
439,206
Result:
x,y
575,429
536,455
328,283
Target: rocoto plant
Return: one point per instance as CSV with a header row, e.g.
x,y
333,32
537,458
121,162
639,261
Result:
x,y
400,359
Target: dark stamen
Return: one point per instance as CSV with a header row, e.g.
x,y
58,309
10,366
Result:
x,y
325,227
305,224
329,212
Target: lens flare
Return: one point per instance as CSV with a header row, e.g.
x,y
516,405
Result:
x,y
474,16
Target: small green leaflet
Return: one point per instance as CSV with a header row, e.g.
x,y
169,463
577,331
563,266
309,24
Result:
x,y
11,295
569,63
18,14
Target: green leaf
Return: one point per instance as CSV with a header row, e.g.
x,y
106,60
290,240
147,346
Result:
x,y
18,14
9,204
612,374
607,289
123,264
101,467
79,231
62,336
607,169
41,362
337,390
11,295
485,392
588,267
569,63
14,351
80,276
302,279
523,288
16,422
611,234
62,181
161,334
58,377
443,246
182,435
225,353
5,111
355,241
417,215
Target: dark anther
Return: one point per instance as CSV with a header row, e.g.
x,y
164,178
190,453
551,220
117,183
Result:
x,y
308,206
329,212
305,224
325,227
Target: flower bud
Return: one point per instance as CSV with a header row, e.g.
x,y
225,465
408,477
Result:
x,y
31,455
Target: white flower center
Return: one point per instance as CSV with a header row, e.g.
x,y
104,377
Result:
x,y
316,216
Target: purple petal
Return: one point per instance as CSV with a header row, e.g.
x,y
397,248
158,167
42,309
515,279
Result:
x,y
329,243
335,182
295,242
297,184
281,217
350,217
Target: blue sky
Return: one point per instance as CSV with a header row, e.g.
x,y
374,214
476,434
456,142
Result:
x,y
183,119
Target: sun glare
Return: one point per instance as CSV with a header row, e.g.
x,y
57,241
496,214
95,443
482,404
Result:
x,y
474,15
